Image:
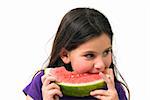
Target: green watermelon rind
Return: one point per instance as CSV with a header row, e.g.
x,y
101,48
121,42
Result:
x,y
81,90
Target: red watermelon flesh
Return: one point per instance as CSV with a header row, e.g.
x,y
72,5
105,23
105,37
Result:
x,y
65,76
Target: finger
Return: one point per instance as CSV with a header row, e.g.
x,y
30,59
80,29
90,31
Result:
x,y
111,78
48,70
54,92
110,72
44,77
107,78
101,97
99,92
53,86
98,97
48,80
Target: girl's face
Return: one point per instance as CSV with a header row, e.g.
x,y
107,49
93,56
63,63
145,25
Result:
x,y
92,56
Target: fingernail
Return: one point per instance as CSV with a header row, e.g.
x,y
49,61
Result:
x,y
61,95
108,76
100,73
91,93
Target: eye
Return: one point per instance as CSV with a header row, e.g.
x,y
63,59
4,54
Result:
x,y
89,56
106,52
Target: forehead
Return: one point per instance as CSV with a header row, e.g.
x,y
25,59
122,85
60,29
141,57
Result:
x,y
99,43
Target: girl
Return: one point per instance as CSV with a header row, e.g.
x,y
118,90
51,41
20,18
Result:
x,y
83,43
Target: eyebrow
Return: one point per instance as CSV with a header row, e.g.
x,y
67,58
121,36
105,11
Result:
x,y
108,48
91,52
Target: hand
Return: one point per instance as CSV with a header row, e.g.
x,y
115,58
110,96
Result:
x,y
111,93
50,90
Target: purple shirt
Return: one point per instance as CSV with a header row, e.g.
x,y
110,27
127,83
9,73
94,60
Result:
x,y
34,90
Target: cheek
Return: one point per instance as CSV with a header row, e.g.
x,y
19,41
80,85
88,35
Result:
x,y
81,66
108,60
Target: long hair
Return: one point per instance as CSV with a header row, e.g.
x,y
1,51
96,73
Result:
x,y
78,26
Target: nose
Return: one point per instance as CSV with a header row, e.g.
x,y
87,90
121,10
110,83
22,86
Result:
x,y
99,64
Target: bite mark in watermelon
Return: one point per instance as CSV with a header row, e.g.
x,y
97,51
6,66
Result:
x,y
74,84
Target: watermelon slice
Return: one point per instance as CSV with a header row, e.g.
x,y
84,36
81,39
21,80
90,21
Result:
x,y
74,84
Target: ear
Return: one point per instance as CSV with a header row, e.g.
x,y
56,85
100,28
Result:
x,y
64,55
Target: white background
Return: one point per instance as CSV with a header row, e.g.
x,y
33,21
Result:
x,y
27,25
